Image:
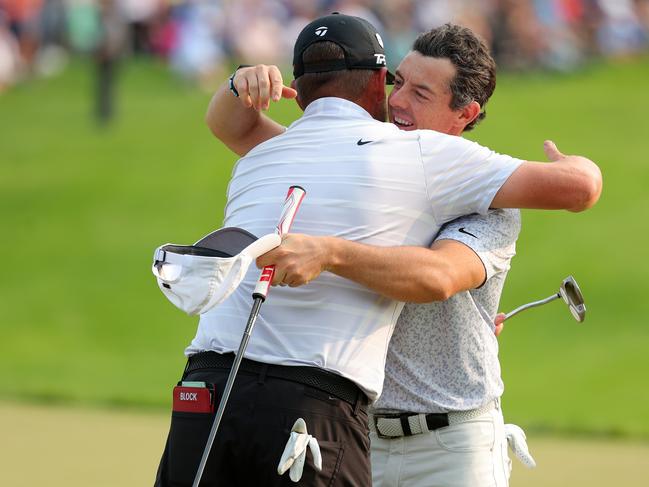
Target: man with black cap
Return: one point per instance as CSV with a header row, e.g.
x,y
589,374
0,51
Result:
x,y
318,351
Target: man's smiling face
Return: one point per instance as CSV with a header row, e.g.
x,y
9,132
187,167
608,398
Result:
x,y
421,97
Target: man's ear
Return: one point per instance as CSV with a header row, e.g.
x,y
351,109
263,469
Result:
x,y
384,75
470,112
378,79
376,87
298,98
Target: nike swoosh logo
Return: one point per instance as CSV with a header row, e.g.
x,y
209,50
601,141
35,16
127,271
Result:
x,y
462,230
363,142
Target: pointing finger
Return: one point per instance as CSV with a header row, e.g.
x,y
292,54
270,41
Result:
x,y
276,83
288,92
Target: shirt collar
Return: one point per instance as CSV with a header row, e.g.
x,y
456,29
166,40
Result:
x,y
337,107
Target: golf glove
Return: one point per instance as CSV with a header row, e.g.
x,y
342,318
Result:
x,y
517,443
294,454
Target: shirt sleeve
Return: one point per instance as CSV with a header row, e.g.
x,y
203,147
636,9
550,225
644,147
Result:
x,y
462,177
492,237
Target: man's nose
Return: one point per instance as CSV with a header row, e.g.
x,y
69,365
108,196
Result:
x,y
397,99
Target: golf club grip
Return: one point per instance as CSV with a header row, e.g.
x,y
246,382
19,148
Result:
x,y
292,202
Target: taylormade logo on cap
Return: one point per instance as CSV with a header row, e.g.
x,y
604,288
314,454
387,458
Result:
x,y
321,31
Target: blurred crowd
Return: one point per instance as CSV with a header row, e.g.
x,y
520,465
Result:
x,y
201,39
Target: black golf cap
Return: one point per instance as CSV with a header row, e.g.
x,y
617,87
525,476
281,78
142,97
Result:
x,y
358,38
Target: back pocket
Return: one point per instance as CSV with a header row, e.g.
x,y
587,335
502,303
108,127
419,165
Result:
x,y
187,439
332,457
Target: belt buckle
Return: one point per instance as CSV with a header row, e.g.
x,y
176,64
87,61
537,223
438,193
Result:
x,y
385,416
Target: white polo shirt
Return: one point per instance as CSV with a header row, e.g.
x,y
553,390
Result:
x,y
366,181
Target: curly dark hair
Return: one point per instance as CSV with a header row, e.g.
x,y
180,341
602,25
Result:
x,y
475,77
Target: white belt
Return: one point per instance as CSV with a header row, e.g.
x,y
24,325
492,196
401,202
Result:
x,y
395,425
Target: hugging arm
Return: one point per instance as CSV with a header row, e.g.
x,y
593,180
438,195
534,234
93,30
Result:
x,y
571,183
414,274
238,121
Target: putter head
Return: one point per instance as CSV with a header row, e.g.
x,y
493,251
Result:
x,y
571,294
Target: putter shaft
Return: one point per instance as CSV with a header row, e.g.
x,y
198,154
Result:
x,y
533,304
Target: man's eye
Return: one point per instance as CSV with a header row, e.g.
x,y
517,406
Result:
x,y
421,95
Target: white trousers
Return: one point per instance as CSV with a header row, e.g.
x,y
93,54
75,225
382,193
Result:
x,y
468,454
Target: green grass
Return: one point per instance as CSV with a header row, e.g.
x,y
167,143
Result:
x,y
82,208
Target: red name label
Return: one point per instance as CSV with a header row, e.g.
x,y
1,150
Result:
x,y
192,400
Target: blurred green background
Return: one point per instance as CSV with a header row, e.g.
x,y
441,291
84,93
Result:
x,y
82,208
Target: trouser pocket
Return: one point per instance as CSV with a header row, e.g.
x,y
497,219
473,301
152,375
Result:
x,y
192,417
187,439
470,436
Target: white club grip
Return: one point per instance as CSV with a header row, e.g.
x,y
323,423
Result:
x,y
291,204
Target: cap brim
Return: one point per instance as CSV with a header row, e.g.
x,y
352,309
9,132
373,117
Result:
x,y
389,78
230,240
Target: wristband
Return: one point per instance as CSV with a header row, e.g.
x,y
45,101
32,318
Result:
x,y
231,79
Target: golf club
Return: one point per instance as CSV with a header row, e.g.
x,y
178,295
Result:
x,y
570,293
291,204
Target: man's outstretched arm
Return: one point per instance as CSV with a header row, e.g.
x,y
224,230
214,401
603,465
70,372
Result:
x,y
238,121
572,183
413,274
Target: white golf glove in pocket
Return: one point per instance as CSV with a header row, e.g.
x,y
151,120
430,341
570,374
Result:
x,y
294,455
517,443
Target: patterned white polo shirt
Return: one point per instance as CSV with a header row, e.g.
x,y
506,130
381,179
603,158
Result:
x,y
443,356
